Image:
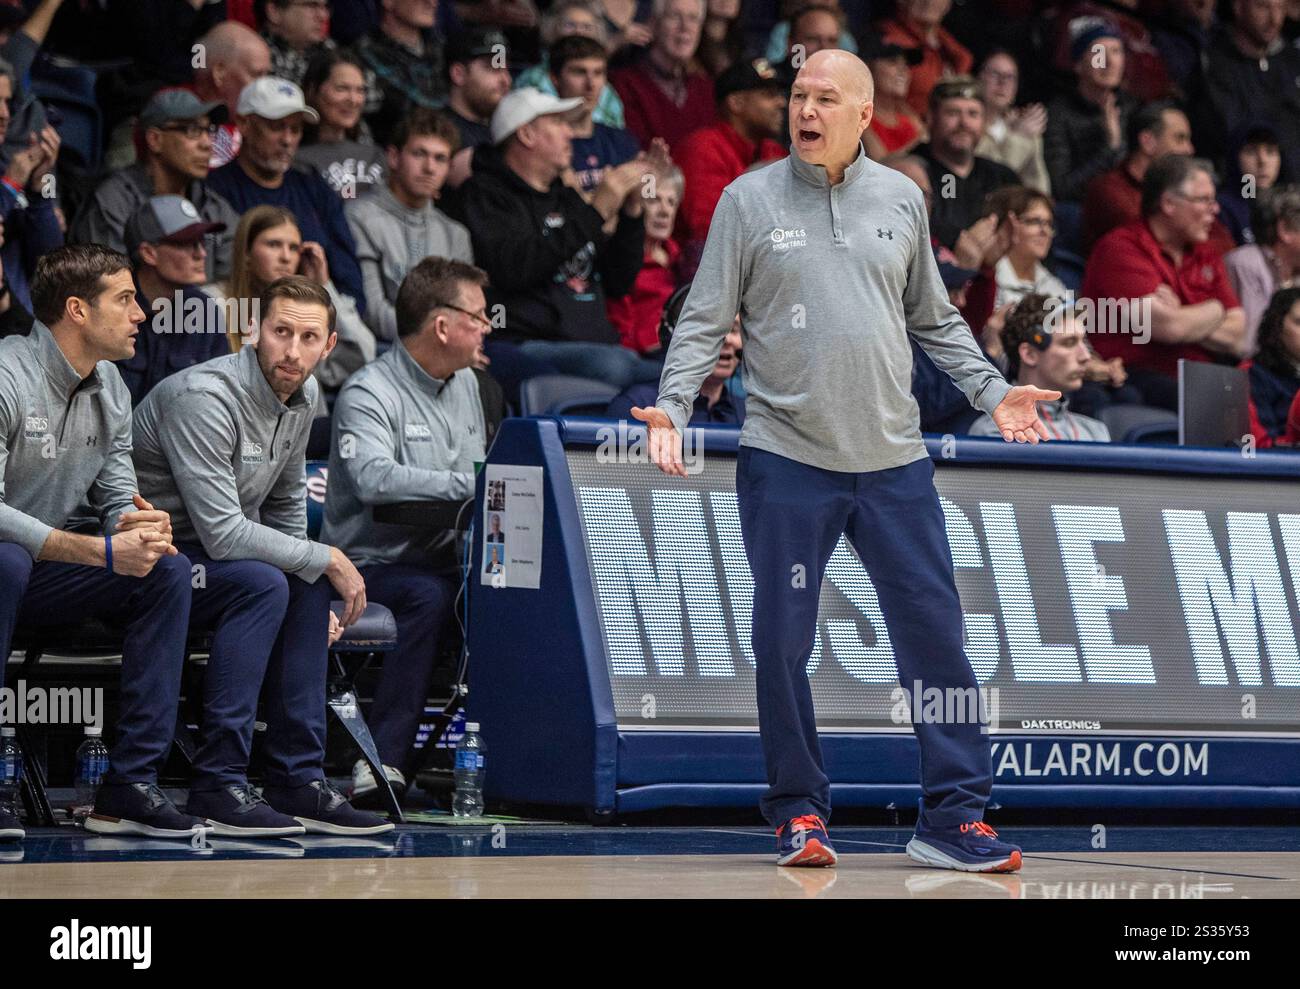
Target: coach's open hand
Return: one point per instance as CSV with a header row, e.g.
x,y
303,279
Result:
x,y
665,441
1017,415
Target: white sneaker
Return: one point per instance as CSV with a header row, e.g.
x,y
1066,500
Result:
x,y
363,780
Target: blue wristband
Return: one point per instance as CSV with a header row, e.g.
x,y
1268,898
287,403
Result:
x,y
108,553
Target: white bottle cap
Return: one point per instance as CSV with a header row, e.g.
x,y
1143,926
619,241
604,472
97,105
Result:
x,y
471,726
93,732
8,732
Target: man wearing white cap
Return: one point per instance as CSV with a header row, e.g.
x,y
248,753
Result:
x,y
270,117
553,254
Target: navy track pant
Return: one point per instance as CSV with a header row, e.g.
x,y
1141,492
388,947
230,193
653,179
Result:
x,y
270,633
155,611
792,515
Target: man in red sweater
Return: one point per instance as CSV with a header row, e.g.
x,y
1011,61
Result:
x,y
751,106
665,94
919,24
1184,306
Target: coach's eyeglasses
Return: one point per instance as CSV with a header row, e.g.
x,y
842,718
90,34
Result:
x,y
480,317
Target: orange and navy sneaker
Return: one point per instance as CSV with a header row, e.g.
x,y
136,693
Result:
x,y
969,847
804,841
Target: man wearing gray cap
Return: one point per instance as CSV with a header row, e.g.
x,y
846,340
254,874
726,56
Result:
x,y
553,254
164,240
270,116
174,136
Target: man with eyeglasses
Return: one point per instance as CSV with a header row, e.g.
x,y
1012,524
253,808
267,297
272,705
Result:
x,y
183,326
174,140
1115,197
409,427
295,31
1182,304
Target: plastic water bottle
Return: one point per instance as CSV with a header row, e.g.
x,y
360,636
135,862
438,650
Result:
x,y
468,801
11,768
92,764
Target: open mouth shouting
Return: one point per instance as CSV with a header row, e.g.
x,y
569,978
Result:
x,y
807,136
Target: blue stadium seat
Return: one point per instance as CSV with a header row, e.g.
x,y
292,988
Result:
x,y
563,394
1140,424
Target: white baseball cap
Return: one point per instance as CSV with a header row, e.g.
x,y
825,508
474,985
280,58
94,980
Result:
x,y
273,99
525,105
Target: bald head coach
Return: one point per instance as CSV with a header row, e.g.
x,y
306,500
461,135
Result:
x,y
826,256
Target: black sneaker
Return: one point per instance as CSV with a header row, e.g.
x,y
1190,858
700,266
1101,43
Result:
x,y
238,811
321,809
142,809
11,829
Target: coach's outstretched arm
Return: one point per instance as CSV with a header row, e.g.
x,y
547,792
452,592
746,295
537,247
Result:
x,y
938,327
709,312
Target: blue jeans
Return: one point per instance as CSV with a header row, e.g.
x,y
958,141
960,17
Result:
x,y
611,363
793,514
270,629
155,610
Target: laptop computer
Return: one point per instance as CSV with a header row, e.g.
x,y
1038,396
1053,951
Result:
x,y
1213,404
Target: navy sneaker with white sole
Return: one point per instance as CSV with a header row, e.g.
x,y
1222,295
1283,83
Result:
x,y
321,809
239,811
803,841
969,847
11,829
140,809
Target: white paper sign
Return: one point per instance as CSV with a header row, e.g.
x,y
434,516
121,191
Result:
x,y
512,526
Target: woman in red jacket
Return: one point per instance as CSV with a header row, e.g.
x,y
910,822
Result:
x,y
636,315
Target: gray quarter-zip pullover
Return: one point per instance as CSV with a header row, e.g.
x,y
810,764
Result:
x,y
64,442
217,449
828,281
400,435
391,240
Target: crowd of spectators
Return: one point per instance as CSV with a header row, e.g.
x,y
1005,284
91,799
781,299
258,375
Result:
x,y
575,152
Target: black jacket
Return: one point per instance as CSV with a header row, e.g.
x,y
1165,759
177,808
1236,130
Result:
x,y
1241,89
1074,144
549,263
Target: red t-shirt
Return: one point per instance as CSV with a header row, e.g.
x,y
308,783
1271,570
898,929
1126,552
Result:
x,y
897,137
1129,263
710,159
636,315
649,112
